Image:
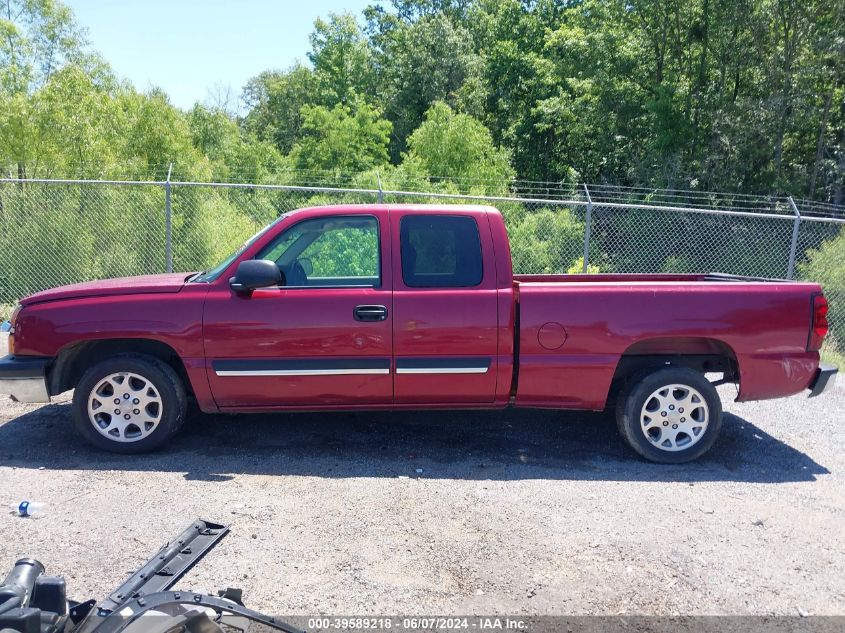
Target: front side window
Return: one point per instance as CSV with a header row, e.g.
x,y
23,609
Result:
x,y
440,251
329,251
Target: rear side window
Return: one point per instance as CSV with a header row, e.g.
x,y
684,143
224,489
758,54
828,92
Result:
x,y
440,251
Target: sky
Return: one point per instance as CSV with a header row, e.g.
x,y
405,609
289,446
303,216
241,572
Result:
x,y
193,48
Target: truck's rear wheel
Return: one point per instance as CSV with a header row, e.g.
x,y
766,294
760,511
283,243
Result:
x,y
129,403
672,415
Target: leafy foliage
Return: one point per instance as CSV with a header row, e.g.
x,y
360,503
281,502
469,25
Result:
x,y
342,60
457,146
274,101
547,241
695,94
824,265
341,140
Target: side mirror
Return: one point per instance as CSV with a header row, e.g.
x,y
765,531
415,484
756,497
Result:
x,y
255,273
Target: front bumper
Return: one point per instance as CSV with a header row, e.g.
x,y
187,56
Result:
x,y
823,381
24,378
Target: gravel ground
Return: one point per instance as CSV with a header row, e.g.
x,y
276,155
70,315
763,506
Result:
x,y
531,512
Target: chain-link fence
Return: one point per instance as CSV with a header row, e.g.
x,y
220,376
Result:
x,y
59,232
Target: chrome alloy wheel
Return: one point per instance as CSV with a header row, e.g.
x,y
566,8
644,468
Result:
x,y
674,417
124,407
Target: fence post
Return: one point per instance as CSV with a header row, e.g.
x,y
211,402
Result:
x,y
168,223
793,248
380,192
587,225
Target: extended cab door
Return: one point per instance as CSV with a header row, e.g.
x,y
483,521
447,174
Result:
x,y
322,339
445,319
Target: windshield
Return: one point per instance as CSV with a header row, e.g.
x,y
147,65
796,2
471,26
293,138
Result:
x,y
216,271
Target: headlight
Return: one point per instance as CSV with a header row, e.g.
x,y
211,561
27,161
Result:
x,y
12,321
15,313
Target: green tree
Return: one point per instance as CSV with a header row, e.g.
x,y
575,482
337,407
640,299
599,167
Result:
x,y
458,147
158,134
40,95
58,130
235,155
342,60
429,60
516,63
275,101
547,241
341,140
37,37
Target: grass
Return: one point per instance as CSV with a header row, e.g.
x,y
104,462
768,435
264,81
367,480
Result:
x,y
833,357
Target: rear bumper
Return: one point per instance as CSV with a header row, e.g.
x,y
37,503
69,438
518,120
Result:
x,y
823,381
24,378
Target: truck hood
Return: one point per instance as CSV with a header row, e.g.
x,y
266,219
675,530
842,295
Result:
x,y
144,284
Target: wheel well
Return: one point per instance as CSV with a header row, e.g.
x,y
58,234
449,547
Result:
x,y
702,355
73,361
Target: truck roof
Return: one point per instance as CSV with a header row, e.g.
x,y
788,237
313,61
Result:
x,y
363,208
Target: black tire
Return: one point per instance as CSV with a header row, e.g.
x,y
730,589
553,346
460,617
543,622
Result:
x,y
165,385
633,398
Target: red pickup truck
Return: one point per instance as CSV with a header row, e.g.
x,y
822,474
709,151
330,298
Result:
x,y
411,307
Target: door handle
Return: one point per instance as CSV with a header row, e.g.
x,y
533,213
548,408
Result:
x,y
370,313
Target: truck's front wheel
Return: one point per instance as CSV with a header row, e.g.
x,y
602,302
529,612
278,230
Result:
x,y
129,403
672,415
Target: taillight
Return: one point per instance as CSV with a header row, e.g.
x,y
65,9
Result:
x,y
818,330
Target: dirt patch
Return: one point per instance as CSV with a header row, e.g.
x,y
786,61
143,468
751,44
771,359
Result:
x,y
530,512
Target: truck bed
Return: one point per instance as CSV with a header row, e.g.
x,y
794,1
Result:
x,y
575,329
